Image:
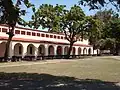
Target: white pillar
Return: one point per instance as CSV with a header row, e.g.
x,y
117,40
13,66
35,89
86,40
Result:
x,y
36,46
76,50
55,49
24,49
36,52
92,51
82,50
46,50
11,50
71,53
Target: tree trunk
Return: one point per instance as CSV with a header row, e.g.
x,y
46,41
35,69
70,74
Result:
x,y
70,49
6,54
116,49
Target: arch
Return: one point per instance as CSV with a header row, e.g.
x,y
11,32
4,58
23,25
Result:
x,y
41,50
73,50
84,51
50,50
2,48
79,51
89,51
30,50
59,50
18,49
66,50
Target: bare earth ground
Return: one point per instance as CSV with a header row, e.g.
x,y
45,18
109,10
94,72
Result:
x,y
95,73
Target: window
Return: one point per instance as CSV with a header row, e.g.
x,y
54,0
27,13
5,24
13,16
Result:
x,y
4,30
38,34
17,32
20,50
51,36
47,35
61,37
43,35
28,33
31,50
58,37
22,32
33,34
54,36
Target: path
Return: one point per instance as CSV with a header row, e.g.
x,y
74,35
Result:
x,y
24,63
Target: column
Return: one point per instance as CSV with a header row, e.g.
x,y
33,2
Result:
x,y
87,51
55,49
11,50
46,50
24,50
71,53
36,52
76,50
82,50
92,51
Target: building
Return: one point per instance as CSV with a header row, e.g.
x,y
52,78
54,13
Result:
x,y
29,42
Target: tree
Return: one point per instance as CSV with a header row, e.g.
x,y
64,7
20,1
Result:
x,y
35,20
73,23
97,39
47,16
95,35
115,33
10,15
109,38
107,44
76,25
96,4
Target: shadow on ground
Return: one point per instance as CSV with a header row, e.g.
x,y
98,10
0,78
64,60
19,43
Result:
x,y
34,81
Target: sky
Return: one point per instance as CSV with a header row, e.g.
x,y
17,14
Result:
x,y
68,3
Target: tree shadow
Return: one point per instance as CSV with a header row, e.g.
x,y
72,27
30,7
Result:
x,y
34,81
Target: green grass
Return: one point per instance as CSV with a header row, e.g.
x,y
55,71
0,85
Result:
x,y
107,69
97,73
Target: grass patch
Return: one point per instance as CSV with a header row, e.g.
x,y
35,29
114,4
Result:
x,y
106,69
98,73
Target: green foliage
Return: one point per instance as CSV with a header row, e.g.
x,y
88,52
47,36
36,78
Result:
x,y
115,29
76,25
97,4
47,16
96,32
10,13
104,16
73,23
110,32
109,23
106,44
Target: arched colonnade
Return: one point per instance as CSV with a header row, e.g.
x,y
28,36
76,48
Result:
x,y
42,49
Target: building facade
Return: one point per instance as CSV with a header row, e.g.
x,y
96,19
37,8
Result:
x,y
29,42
